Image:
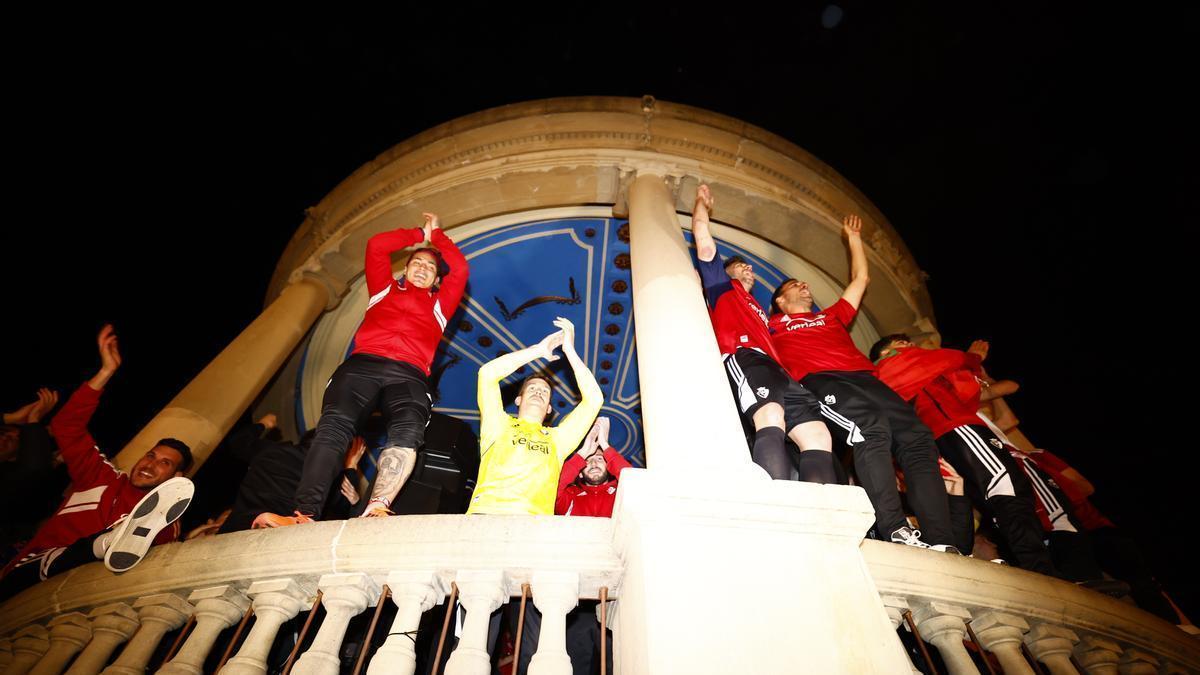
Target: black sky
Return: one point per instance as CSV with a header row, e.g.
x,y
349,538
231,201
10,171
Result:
x,y
1039,161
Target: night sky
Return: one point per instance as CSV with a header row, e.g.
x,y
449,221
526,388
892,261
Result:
x,y
1037,160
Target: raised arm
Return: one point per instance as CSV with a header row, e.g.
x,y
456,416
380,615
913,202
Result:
x,y
450,291
70,425
706,248
859,278
491,405
574,426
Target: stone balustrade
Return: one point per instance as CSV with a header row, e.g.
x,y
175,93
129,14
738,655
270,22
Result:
x,y
1062,626
88,615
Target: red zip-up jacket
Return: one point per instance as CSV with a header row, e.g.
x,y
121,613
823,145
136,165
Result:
x,y
100,493
576,499
405,323
940,383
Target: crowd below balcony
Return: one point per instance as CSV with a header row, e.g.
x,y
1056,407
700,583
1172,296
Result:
x,y
924,430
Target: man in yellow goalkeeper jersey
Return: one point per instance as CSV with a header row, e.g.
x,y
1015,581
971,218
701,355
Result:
x,y
520,457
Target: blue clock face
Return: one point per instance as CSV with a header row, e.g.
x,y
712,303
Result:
x,y
525,275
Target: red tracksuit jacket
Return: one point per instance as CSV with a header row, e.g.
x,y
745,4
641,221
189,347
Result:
x,y
405,323
100,493
575,499
940,382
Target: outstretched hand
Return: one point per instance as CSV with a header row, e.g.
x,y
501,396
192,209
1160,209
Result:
x,y
432,222
110,354
852,225
47,399
704,200
568,333
545,348
979,348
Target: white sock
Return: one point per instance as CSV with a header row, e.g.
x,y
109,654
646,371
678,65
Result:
x,y
101,543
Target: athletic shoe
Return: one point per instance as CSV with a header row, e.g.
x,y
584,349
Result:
x,y
133,536
908,537
268,520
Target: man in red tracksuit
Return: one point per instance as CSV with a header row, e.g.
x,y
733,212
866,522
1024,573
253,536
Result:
x,y
769,400
393,351
586,487
1106,546
85,526
588,483
942,385
815,347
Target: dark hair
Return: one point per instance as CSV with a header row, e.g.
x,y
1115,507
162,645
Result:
x,y
442,267
536,376
182,448
778,292
884,342
733,260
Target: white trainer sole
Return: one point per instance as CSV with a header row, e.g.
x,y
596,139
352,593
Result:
x,y
158,509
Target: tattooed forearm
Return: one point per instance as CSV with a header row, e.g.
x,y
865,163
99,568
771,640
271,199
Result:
x,y
395,466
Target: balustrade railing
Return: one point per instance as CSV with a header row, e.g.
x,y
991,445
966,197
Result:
x,y
970,616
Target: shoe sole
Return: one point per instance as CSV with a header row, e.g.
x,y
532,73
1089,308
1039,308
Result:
x,y
155,512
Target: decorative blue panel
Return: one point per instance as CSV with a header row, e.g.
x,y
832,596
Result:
x,y
525,275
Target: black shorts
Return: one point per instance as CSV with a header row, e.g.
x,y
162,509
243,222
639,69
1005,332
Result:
x,y
757,380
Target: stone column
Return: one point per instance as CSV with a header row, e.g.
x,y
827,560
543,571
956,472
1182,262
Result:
x,y
554,594
1001,634
68,635
112,625
1098,656
160,614
414,594
1052,646
217,608
896,606
6,654
29,644
679,365
944,626
274,601
481,592
344,596
203,412
1138,662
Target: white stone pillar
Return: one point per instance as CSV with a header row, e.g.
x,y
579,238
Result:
x,y
275,601
29,644
896,606
112,626
414,594
160,614
344,596
1052,646
217,608
1138,662
554,594
203,412
1001,634
1098,656
944,626
69,633
679,366
481,592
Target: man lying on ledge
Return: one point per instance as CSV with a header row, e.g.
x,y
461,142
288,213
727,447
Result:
x,y
109,515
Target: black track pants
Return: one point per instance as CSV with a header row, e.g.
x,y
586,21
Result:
x,y
864,413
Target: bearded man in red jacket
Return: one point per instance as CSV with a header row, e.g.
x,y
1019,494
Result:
x,y
942,385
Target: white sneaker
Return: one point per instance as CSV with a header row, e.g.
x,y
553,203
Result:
x,y
133,536
908,537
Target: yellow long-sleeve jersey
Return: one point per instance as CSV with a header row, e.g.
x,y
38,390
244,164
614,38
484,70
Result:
x,y
520,461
